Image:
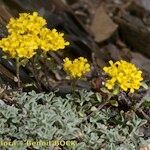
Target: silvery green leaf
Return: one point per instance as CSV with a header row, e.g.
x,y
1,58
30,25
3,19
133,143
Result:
x,y
81,146
99,97
110,146
144,85
114,103
2,103
93,108
116,90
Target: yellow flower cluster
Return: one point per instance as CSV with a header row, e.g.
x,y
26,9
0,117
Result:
x,y
26,23
27,34
52,40
76,68
123,74
22,46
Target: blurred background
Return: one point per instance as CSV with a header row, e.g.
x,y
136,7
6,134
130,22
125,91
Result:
x,y
100,30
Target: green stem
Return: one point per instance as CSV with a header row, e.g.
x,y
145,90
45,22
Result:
x,y
45,70
73,86
33,62
17,72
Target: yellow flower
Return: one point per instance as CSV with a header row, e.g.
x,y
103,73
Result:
x,y
27,34
123,74
26,23
76,68
51,40
22,46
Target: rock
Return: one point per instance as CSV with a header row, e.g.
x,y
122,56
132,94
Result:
x,y
143,3
141,61
102,26
134,33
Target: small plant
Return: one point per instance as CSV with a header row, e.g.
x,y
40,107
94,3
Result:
x,y
76,69
27,34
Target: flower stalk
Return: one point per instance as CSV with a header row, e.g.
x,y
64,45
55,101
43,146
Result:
x,y
73,86
17,72
45,69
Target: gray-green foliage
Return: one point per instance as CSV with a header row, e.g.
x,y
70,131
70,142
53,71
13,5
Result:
x,y
48,117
